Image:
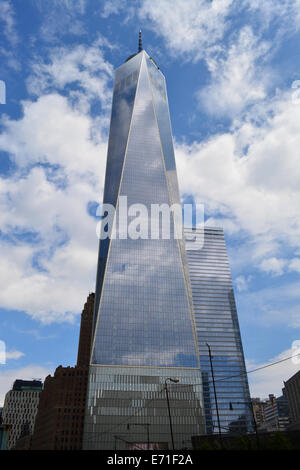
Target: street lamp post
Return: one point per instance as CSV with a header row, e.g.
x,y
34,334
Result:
x,y
250,404
168,402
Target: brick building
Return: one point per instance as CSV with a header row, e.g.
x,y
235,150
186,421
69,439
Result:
x,y
60,417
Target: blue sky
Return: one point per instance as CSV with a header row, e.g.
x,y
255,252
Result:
x,y
229,66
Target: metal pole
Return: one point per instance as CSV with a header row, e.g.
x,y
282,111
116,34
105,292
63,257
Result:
x,y
171,430
255,425
215,394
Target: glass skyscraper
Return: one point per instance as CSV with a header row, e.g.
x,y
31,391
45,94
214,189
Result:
x,y
144,330
217,326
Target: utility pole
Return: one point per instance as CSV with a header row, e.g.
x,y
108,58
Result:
x,y
215,394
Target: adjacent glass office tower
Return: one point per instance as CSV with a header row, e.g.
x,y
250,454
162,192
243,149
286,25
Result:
x,y
217,325
144,332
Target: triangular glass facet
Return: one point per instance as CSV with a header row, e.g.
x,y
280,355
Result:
x,y
144,316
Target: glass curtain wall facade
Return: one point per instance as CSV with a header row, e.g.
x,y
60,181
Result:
x,y
144,331
217,325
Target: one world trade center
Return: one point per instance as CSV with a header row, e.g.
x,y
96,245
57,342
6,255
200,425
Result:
x,y
144,387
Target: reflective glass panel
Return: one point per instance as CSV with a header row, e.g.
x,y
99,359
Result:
x,y
217,324
126,78
144,317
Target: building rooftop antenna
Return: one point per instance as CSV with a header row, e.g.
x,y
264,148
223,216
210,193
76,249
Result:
x,y
140,41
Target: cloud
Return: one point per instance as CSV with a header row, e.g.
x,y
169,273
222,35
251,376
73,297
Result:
x,y
7,18
52,132
56,294
29,372
63,258
250,175
238,77
188,28
242,283
82,66
36,334
285,14
61,17
235,40
48,239
294,265
197,28
273,266
273,307
14,354
270,380
112,8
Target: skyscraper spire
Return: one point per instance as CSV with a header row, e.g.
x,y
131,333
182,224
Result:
x,y
140,41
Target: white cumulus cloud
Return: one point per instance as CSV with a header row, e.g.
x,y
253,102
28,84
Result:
x,y
271,379
250,175
188,28
49,244
237,76
14,354
273,265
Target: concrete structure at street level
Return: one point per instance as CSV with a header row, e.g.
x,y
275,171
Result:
x,y
150,324
59,421
20,408
292,388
